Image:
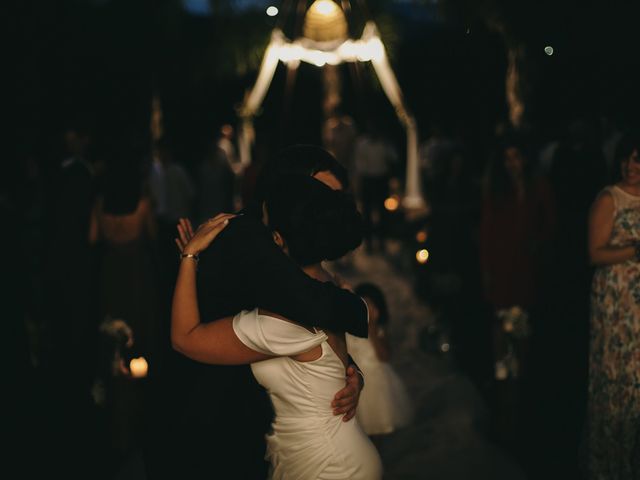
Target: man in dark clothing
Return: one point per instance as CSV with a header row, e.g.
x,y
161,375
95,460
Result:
x,y
220,413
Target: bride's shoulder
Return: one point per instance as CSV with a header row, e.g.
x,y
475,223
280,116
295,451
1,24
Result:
x,y
278,336
281,321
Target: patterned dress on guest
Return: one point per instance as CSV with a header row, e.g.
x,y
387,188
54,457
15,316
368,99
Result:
x,y
614,364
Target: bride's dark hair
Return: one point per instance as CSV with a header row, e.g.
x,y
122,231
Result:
x,y
316,222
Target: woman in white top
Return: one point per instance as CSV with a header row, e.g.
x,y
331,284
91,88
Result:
x,y
301,369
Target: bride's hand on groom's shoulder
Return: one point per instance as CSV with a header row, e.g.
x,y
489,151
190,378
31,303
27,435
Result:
x,y
190,242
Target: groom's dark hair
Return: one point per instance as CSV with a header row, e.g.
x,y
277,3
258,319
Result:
x,y
301,159
316,222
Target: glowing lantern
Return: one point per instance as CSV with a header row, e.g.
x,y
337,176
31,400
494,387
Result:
x,y
138,367
422,255
325,22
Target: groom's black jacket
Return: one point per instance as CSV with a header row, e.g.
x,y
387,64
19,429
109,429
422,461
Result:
x,y
221,412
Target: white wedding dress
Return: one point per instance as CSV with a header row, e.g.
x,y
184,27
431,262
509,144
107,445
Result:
x,y
308,441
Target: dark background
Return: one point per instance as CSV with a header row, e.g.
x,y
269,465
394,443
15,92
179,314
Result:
x,y
98,63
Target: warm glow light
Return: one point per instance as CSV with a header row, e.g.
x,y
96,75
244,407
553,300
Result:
x,y
422,255
138,367
365,50
421,236
272,11
325,7
391,204
548,50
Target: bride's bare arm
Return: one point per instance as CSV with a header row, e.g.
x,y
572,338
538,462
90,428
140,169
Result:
x,y
215,342
233,351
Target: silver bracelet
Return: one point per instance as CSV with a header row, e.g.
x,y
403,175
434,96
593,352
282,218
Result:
x,y
190,255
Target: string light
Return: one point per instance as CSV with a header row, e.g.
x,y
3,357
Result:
x,y
370,49
272,11
421,236
548,50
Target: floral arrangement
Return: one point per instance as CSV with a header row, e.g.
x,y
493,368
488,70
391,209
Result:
x,y
120,336
117,329
515,322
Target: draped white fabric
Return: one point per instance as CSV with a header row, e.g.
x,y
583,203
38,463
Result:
x,y
368,48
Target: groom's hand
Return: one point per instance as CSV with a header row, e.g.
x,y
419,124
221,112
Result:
x,y
346,400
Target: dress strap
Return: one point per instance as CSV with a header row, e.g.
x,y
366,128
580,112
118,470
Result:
x,y
274,336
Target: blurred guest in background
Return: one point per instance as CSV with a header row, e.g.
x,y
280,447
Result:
x,y
227,152
252,172
517,223
227,148
338,136
614,366
171,188
123,225
385,406
434,154
374,157
172,193
216,184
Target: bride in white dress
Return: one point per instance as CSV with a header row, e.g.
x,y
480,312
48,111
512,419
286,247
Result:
x,y
301,369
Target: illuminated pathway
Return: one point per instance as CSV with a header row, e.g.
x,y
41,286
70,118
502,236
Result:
x,y
446,440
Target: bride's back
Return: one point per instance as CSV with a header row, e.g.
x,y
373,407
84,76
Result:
x,y
307,439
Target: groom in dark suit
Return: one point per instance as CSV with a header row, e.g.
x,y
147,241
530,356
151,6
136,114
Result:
x,y
218,415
